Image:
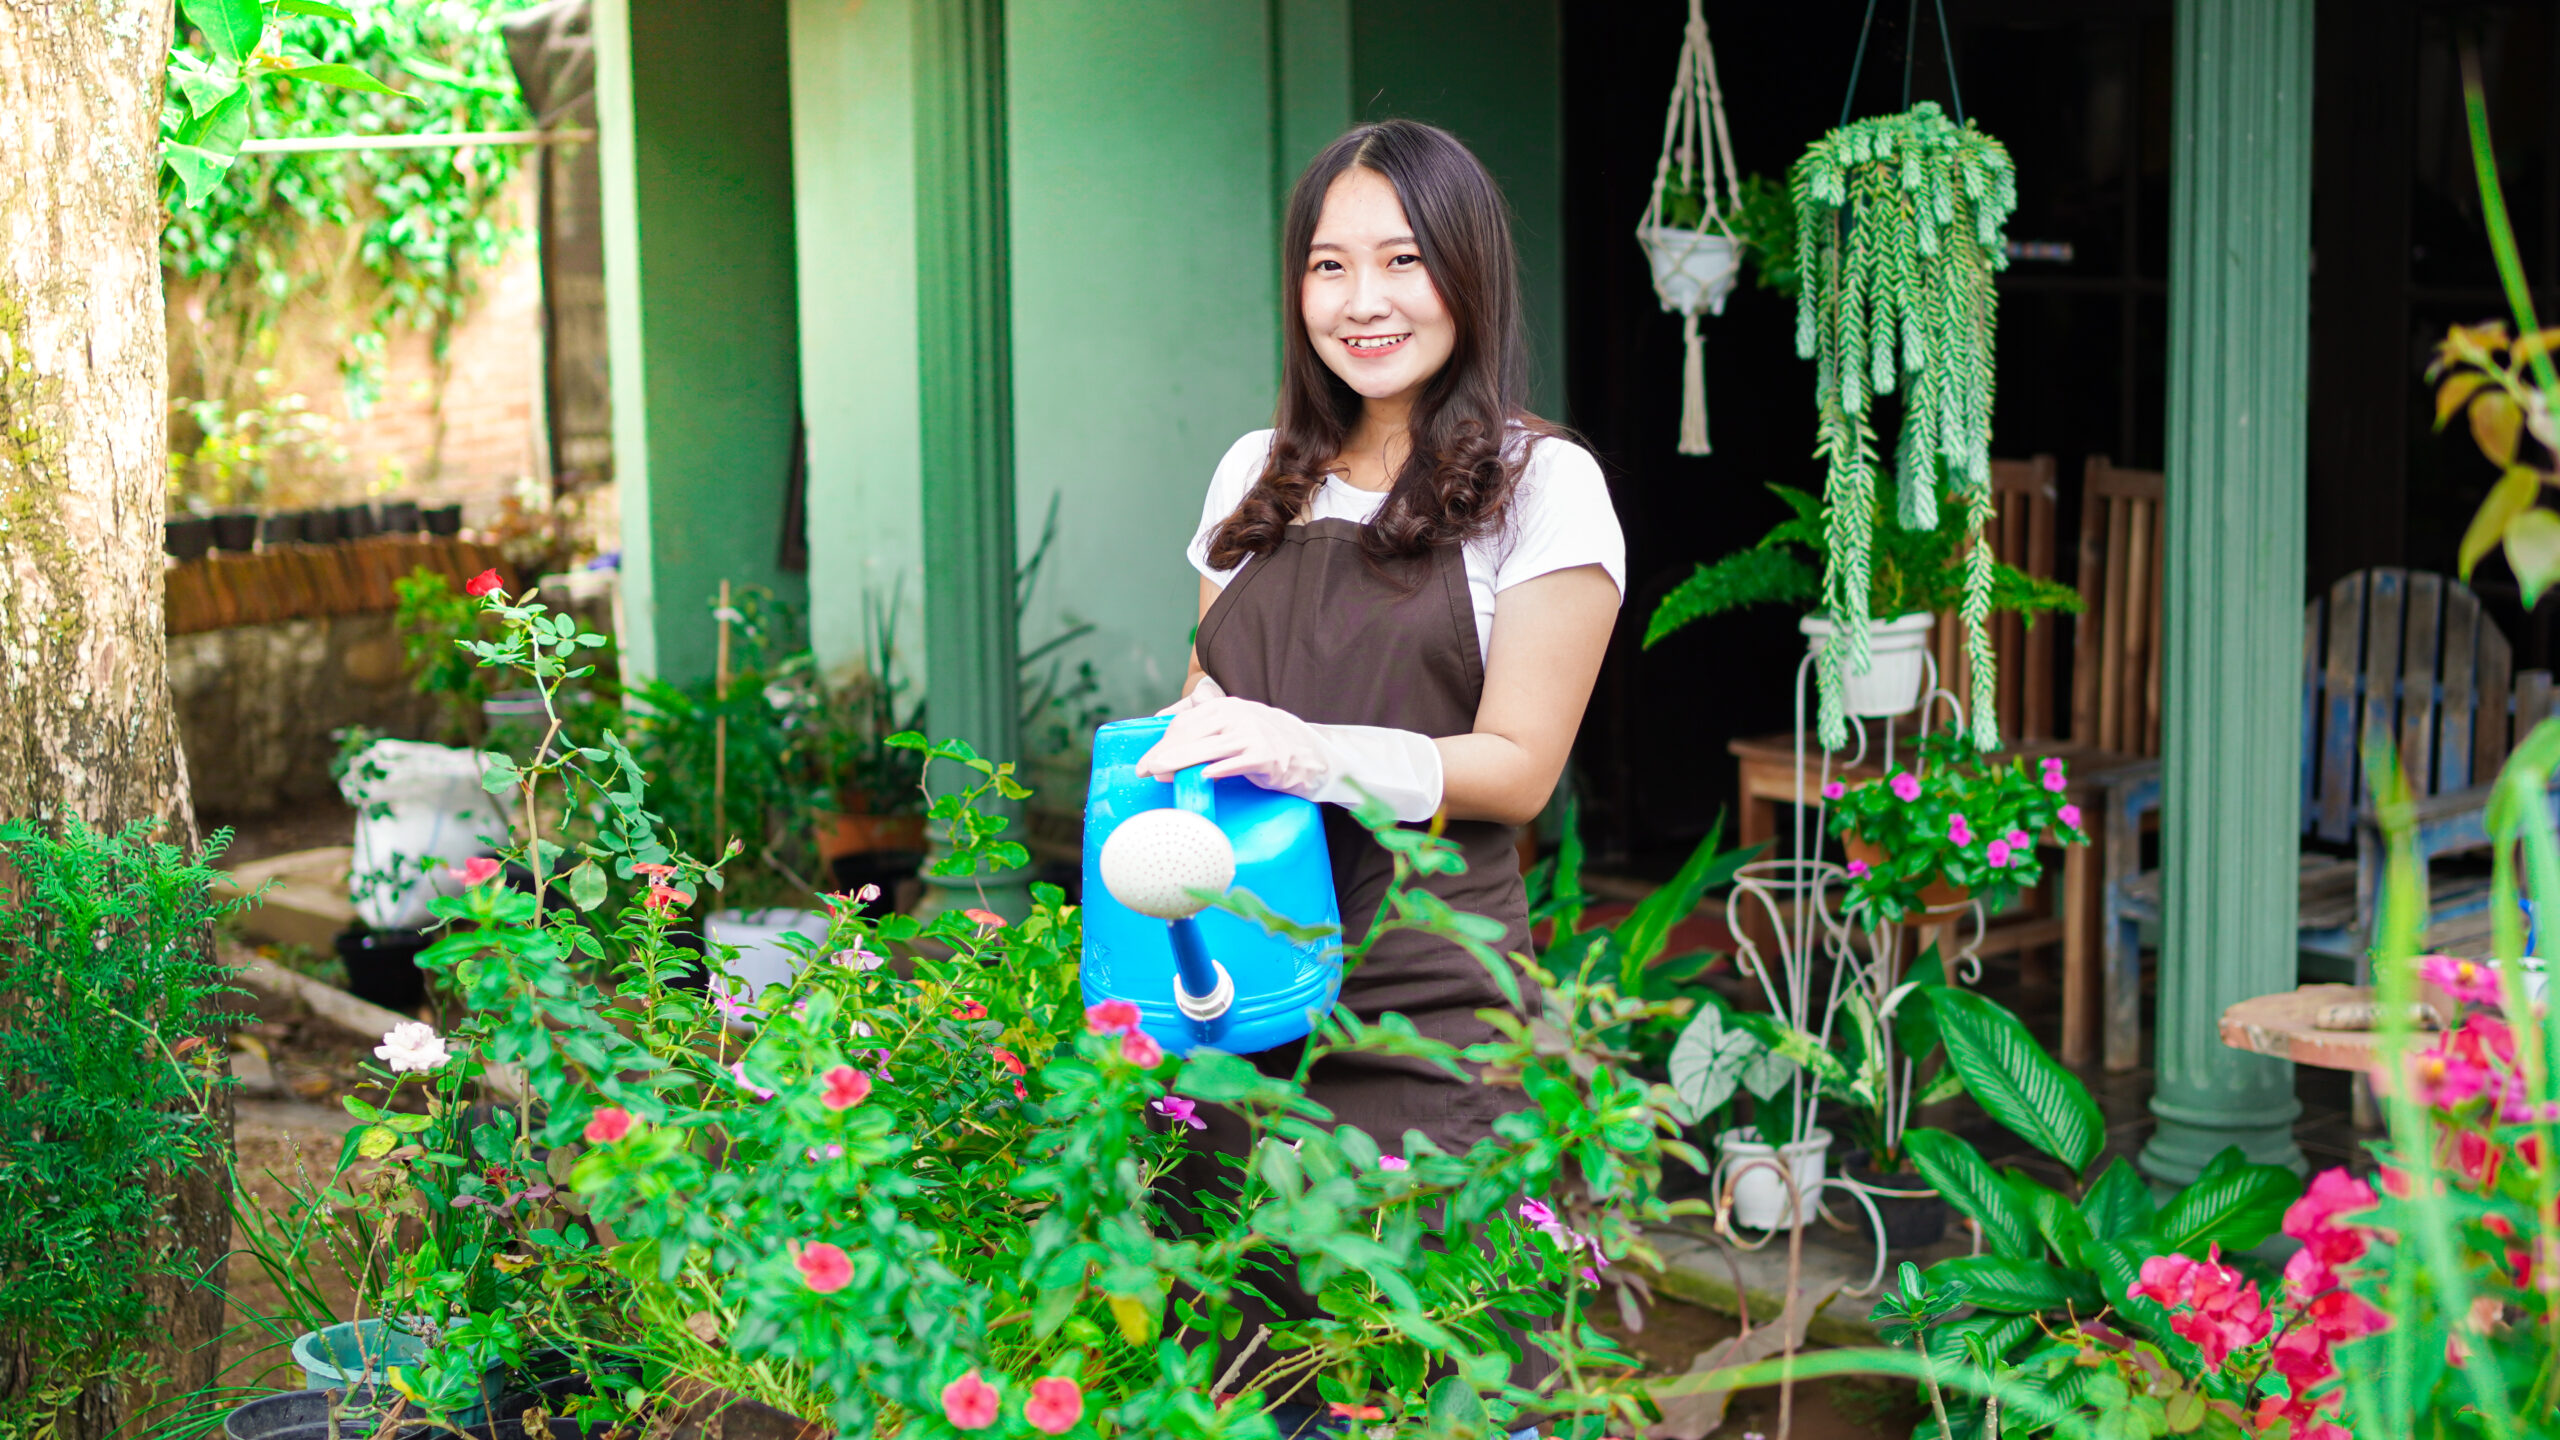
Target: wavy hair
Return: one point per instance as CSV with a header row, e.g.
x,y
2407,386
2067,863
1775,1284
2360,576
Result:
x,y
1471,429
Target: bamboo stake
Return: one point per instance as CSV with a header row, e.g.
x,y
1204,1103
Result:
x,y
720,723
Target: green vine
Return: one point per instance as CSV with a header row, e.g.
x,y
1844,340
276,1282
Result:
x,y
1898,233
410,225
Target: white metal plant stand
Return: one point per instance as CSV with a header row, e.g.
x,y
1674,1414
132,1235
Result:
x,y
1819,968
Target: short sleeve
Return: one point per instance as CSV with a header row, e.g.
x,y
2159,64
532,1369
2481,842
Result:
x,y
1227,486
1561,517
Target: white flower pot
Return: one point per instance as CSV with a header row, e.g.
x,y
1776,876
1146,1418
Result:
x,y
1759,1190
762,958
1689,265
1897,663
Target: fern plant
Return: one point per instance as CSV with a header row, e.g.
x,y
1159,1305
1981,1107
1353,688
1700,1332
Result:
x,y
1898,233
1907,570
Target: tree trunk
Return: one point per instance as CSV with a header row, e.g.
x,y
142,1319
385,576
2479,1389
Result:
x,y
86,725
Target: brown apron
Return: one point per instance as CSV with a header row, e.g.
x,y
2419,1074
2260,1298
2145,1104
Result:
x,y
1316,629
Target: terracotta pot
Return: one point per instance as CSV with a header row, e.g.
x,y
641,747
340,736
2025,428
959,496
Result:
x,y
1938,895
860,834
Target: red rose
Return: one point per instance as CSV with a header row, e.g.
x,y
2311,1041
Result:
x,y
609,1124
484,583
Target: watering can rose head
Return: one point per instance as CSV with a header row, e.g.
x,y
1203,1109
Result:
x,y
1155,860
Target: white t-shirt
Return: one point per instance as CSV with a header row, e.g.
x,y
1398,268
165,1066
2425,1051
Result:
x,y
1559,517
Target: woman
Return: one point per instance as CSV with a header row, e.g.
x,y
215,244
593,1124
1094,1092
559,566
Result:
x,y
1406,588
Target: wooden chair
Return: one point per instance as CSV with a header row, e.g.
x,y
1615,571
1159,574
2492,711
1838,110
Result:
x,y
2024,497
2396,654
2115,676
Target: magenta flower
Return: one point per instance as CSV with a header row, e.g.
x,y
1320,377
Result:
x,y
1998,854
2069,815
2467,981
2018,839
738,1072
2223,1310
1391,1162
1180,1111
1857,869
731,1005
1834,790
1959,831
2053,780
831,1152
1906,787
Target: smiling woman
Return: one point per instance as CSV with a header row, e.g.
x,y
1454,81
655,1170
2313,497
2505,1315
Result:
x,y
1406,587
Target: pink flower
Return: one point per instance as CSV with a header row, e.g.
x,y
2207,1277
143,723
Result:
x,y
1140,1049
2069,815
1392,1162
2054,782
1542,1218
487,582
855,899
2467,981
1180,1111
2018,839
738,1072
1342,1410
969,1402
610,1123
1111,1017
2306,1275
1009,1060
1997,854
846,1088
1857,869
855,957
649,871
2221,1310
830,1152
727,1002
826,1268
1906,787
1959,831
2301,1356
1834,790
665,897
2343,1315
1056,1404
2313,1219
984,919
968,1010
2476,1159
478,870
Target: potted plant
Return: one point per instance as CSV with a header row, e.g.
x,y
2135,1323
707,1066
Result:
x,y
1898,235
874,833
1911,575
1953,825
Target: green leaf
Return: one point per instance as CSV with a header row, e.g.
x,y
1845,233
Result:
x,y
1708,1060
231,28
202,86
2017,1083
1957,1171
2237,1208
1997,1334
1454,1412
2512,496
375,1141
2017,1287
2120,1202
586,886
1216,1075
316,9
1249,906
500,776
1648,927
2533,551
2053,1216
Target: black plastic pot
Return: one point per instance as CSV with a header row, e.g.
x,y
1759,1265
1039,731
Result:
x,y
442,520
187,538
285,529
319,527
236,530
399,517
303,1415
382,966
355,522
1909,1223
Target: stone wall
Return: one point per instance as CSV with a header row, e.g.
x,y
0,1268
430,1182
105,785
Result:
x,y
257,705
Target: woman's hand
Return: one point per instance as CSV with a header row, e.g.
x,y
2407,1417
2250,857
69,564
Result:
x,y
1206,690
1269,746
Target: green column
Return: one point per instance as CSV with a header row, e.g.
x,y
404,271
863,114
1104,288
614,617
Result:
x,y
964,322
2239,315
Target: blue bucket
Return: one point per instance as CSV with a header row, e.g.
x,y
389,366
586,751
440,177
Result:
x,y
360,1354
1281,986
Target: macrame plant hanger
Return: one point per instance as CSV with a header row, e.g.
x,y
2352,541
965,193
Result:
x,y
1694,268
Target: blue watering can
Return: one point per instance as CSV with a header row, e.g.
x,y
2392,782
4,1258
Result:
x,y
1198,979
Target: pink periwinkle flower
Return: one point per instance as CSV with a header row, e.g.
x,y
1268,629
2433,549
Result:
x,y
2019,839
731,1004
2069,815
1111,1017
1140,1049
2467,981
1959,830
478,870
1392,1162
2219,1310
738,1072
1858,869
1997,854
1906,787
826,1152
1834,790
826,1268
969,1403
1056,1404
2053,778
1180,1111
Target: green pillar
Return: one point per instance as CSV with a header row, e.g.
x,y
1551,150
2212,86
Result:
x,y
964,323
2239,318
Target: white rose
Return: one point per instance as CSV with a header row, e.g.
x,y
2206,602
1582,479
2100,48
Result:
x,y
412,1045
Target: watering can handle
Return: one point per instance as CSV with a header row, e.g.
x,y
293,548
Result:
x,y
1192,791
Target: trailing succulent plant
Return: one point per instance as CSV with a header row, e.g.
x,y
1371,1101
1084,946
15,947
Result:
x,y
1898,233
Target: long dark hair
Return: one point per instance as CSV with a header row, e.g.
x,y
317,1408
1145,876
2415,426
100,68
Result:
x,y
1465,452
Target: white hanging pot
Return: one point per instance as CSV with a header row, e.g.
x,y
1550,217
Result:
x,y
1897,663
1692,269
1749,1167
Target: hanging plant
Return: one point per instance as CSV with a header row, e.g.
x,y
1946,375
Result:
x,y
1687,236
1898,233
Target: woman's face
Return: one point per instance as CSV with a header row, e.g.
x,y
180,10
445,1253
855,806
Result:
x,y
1370,307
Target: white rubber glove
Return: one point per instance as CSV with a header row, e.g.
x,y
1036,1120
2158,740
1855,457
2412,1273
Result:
x,y
1330,764
1206,690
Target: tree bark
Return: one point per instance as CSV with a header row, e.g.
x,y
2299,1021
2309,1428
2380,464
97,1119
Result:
x,y
86,725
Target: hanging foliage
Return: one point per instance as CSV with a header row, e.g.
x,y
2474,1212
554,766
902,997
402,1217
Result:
x,y
1898,233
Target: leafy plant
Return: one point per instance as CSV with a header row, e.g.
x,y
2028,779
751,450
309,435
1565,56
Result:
x,y
1907,570
246,456
1898,233
433,621
110,1071
1954,818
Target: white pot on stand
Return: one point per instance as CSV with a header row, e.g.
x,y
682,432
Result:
x,y
1897,663
1693,270
1749,1166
